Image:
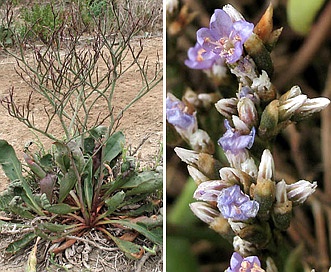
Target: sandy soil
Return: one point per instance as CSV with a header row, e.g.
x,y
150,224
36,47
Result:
x,y
143,120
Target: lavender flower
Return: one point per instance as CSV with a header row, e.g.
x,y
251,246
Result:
x,y
238,264
234,141
199,58
178,116
210,190
234,204
225,37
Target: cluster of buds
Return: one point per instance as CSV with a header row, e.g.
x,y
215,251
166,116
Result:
x,y
243,201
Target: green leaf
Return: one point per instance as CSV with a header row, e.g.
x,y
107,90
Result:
x,y
114,202
98,132
114,146
88,183
62,156
146,208
56,227
139,178
60,208
301,14
89,145
17,207
132,250
21,243
47,161
146,187
77,155
9,161
67,182
155,237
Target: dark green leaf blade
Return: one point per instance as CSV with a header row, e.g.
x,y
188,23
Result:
x,y
113,147
9,161
21,243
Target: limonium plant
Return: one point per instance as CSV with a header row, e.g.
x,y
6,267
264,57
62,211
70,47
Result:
x,y
243,201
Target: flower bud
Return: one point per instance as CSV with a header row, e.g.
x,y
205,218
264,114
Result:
x,y
210,190
240,125
263,87
247,112
282,209
264,193
274,38
202,161
221,226
245,70
249,167
236,176
201,142
288,107
293,92
269,120
257,234
256,49
267,166
227,107
299,191
264,27
309,107
243,247
204,211
197,176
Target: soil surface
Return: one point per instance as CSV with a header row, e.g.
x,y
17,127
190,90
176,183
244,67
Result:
x,y
142,125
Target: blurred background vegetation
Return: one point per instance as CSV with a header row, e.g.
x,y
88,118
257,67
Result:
x,y
303,151
34,20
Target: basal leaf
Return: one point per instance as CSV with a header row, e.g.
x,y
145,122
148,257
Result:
x,y
21,243
132,250
113,146
77,155
146,187
87,178
114,202
139,178
155,237
67,182
56,227
62,156
9,161
60,208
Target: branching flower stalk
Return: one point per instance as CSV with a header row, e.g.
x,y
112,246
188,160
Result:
x,y
243,201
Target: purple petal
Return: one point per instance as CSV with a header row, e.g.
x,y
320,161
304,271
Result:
x,y
236,260
176,115
220,24
234,141
243,29
234,204
199,58
238,263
